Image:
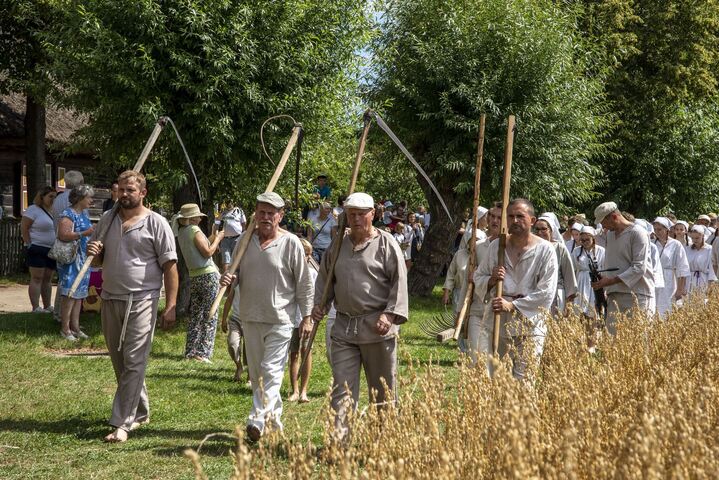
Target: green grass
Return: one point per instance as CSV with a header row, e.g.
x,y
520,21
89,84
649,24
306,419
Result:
x,y
54,409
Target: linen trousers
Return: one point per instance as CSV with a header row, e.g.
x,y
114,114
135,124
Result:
x,y
379,361
129,349
623,303
266,345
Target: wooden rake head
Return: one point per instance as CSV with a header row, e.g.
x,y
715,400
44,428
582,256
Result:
x,y
439,326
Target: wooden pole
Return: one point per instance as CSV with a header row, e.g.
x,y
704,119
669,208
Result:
x,y
337,243
467,303
245,240
161,122
503,229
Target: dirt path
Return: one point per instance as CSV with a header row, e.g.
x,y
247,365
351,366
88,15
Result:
x,y
14,299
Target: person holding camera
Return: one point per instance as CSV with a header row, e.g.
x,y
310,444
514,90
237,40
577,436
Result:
x,y
197,250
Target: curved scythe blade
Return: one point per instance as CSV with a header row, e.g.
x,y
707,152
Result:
x,y
409,156
189,162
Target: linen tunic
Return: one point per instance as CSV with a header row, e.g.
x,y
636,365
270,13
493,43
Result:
x,y
368,281
700,267
567,279
456,280
585,298
530,285
630,253
275,281
675,265
133,260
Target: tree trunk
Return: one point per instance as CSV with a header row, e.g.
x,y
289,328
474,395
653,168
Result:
x,y
186,194
436,249
34,147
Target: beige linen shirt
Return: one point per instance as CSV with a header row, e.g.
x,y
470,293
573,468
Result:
x,y
630,253
530,285
275,281
132,261
368,281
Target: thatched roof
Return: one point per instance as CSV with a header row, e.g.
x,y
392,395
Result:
x,y
61,123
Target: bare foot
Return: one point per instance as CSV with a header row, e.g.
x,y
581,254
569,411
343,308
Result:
x,y
304,399
294,397
238,374
118,436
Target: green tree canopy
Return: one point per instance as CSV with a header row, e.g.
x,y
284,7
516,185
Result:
x,y
218,69
441,64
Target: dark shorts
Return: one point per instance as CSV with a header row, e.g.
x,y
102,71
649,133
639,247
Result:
x,y
37,258
295,341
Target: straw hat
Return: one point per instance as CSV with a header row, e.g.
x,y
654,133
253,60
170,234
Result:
x,y
190,210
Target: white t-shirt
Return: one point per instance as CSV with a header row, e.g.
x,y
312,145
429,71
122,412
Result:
x,y
42,229
233,221
322,231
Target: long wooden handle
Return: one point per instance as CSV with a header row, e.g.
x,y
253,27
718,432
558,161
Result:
x,y
245,240
337,243
161,122
475,221
503,229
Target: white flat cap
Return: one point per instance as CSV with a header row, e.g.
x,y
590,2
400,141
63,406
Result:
x,y
704,217
603,210
359,200
577,226
271,198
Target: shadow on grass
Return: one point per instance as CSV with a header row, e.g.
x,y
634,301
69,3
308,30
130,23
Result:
x,y
41,325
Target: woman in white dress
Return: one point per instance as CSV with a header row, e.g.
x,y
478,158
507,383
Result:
x,y
699,255
681,233
547,228
584,255
674,265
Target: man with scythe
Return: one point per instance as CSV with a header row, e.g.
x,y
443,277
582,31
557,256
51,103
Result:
x,y
369,290
137,253
529,278
274,283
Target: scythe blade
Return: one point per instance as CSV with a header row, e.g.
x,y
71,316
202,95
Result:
x,y
390,134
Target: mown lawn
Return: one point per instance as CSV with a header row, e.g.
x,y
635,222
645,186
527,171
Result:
x,y
54,408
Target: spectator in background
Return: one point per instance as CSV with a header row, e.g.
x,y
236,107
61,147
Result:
x,y
204,282
378,221
417,231
233,222
38,234
73,178
74,225
110,202
337,211
300,380
322,231
423,216
322,189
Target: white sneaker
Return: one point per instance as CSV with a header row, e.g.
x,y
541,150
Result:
x,y
38,310
49,310
68,336
81,334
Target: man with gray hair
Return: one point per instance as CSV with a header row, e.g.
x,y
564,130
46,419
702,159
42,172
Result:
x,y
274,282
628,254
369,289
73,179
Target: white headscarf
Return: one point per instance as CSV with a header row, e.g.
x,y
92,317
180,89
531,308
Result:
x,y
553,222
589,230
664,222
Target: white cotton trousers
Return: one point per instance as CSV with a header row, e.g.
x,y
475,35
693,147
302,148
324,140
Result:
x,y
480,345
266,345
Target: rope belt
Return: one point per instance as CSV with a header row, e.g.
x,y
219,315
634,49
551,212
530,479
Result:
x,y
124,321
